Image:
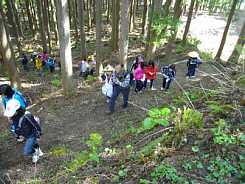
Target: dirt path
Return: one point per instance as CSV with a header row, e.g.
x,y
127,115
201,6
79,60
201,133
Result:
x,y
69,121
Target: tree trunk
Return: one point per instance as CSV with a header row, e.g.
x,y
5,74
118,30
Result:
x,y
108,12
166,7
123,41
29,16
16,17
145,18
41,24
239,46
14,26
75,17
54,21
7,53
177,9
188,23
89,4
115,24
98,35
132,15
222,44
65,46
34,15
151,47
46,23
80,10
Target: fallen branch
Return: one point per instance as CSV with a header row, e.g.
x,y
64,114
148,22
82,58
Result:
x,y
142,108
185,93
155,133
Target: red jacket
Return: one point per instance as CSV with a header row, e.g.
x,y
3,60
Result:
x,y
151,73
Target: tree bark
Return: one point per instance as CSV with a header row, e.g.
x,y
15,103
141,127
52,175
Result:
x,y
115,24
80,10
108,12
54,21
98,35
145,18
34,15
89,4
222,44
239,46
7,53
46,23
188,23
65,46
132,15
166,7
41,25
123,41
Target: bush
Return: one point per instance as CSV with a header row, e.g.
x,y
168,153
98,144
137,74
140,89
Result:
x,y
206,56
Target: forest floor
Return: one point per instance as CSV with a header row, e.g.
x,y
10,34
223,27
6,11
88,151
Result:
x,y
68,122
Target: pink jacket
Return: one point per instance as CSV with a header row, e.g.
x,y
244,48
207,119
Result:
x,y
138,73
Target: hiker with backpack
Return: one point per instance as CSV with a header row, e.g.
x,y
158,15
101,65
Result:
x,y
192,64
169,73
107,88
39,66
121,84
84,68
51,64
24,61
8,93
150,74
26,127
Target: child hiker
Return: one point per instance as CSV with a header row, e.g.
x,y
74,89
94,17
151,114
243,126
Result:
x,y
27,127
150,74
51,64
139,75
8,93
107,88
84,67
39,66
192,63
169,73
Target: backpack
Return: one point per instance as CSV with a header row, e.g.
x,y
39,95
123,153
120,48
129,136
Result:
x,y
22,97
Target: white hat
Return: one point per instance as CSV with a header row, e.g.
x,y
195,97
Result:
x,y
108,68
12,106
193,54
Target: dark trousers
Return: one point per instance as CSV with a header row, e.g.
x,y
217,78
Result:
x,y
165,83
116,91
191,71
151,83
139,85
51,68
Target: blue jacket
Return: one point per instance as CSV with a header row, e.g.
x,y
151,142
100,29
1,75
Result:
x,y
18,96
167,72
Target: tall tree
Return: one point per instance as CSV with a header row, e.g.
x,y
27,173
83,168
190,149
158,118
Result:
x,y
41,24
132,13
115,24
188,23
45,10
239,46
65,46
54,20
145,18
222,44
166,7
89,14
16,17
7,53
29,16
98,34
151,46
80,10
14,25
177,14
124,23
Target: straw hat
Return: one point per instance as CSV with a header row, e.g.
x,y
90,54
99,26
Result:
x,y
108,68
193,54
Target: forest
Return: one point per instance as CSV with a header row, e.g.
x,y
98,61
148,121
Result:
x,y
122,91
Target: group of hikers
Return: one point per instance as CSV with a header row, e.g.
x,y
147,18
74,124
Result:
x,y
117,80
26,128
40,62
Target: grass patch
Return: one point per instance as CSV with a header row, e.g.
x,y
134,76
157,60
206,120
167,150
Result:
x,y
59,151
